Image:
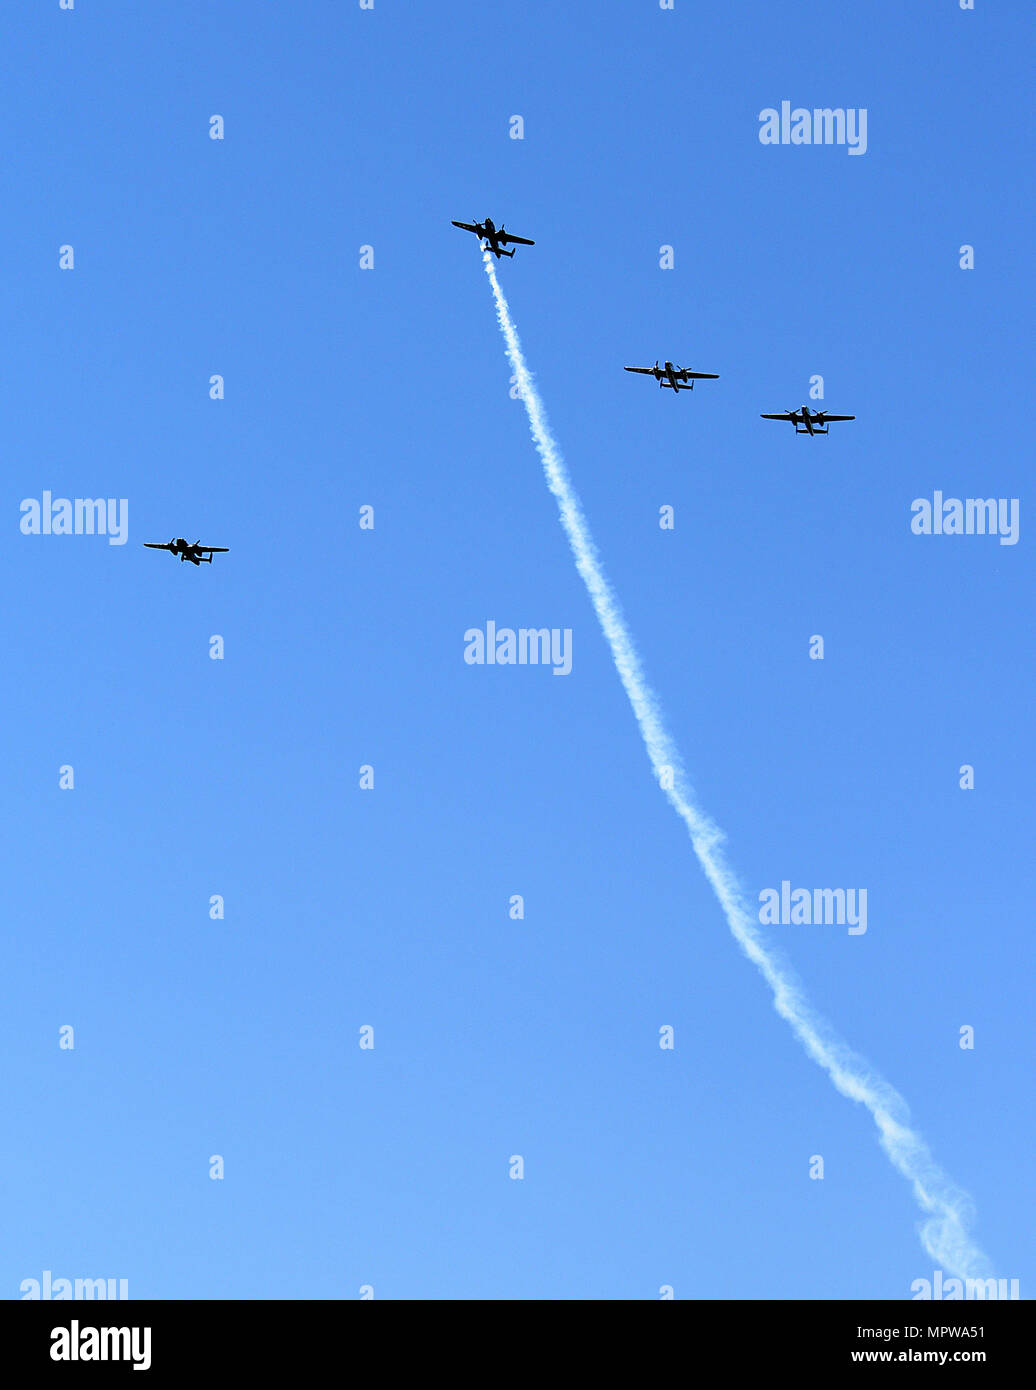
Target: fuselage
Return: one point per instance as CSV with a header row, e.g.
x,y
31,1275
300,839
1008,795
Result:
x,y
492,235
186,551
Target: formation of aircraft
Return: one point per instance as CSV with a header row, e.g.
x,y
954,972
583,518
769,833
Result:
x,y
197,553
808,421
495,236
677,378
674,378
668,375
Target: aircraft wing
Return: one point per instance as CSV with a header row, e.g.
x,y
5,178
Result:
x,y
645,371
466,227
836,417
507,238
684,375
212,549
785,416
154,545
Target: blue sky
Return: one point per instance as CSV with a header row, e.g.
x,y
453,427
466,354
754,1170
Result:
x,y
389,387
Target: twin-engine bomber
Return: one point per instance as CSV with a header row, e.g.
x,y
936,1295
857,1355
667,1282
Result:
x,y
676,378
197,553
496,236
808,421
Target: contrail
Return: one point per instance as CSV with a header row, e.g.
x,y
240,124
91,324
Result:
x,y
947,1208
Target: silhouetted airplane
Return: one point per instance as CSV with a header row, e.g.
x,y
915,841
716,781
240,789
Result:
x,y
677,378
813,422
196,553
485,231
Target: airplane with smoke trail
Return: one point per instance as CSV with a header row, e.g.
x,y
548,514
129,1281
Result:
x,y
495,236
947,1209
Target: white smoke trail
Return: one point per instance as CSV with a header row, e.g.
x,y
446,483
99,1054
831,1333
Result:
x,y
948,1209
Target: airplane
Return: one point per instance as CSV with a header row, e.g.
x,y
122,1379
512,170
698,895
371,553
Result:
x,y
677,378
812,422
196,553
497,237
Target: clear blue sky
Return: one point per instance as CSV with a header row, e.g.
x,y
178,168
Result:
x,y
389,387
